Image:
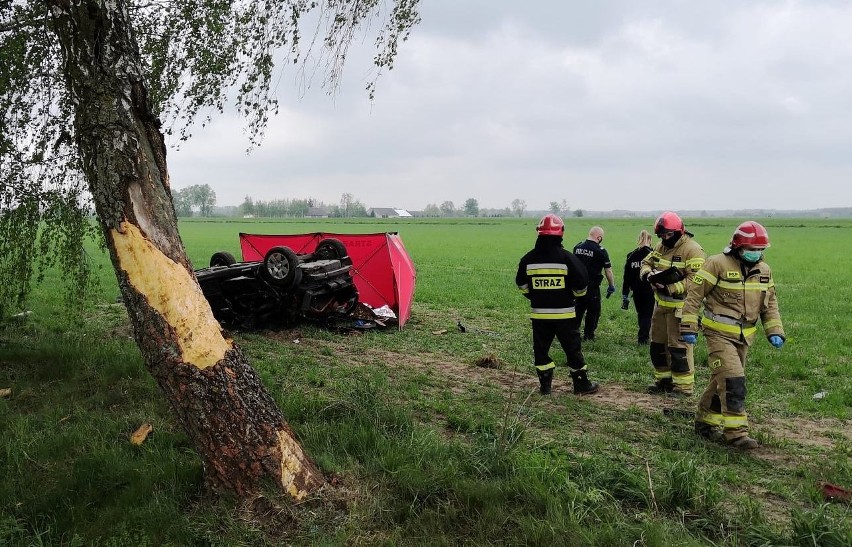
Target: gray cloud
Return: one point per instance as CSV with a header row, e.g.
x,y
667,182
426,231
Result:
x,y
609,105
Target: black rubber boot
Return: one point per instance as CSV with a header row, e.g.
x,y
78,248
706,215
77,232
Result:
x,y
582,385
708,432
744,443
661,386
545,379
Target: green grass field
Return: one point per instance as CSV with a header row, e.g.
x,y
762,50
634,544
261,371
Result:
x,y
424,446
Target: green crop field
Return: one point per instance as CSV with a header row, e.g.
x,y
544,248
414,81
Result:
x,y
422,444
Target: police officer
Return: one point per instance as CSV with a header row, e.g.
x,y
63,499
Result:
x,y
596,259
643,296
672,262
736,289
552,278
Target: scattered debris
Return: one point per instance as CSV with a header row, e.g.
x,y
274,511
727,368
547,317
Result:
x,y
22,315
464,329
489,361
362,317
439,332
141,434
835,493
384,312
5,392
819,396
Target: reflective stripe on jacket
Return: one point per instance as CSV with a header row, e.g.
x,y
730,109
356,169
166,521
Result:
x,y
552,278
686,255
735,296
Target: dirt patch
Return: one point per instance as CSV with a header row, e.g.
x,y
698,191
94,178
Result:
x,y
489,361
821,434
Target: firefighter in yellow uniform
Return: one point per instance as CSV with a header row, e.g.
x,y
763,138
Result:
x,y
667,268
736,289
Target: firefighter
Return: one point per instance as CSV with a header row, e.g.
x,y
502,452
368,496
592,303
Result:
x,y
596,259
667,268
552,278
643,296
736,289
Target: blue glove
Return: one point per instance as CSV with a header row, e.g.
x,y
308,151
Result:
x,y
610,290
776,341
689,338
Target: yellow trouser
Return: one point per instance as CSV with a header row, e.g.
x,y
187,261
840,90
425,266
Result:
x,y
723,402
671,357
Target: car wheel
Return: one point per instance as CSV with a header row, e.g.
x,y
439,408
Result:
x,y
330,249
222,258
281,267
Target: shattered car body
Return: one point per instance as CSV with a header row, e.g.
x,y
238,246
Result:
x,y
282,288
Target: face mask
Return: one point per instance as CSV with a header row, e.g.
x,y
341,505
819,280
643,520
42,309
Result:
x,y
752,257
670,241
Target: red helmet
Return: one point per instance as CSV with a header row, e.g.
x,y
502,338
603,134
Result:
x,y
668,222
750,233
550,225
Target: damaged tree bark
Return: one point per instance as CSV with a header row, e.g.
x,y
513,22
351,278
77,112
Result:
x,y
234,424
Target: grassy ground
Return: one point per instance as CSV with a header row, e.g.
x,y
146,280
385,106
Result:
x,y
433,436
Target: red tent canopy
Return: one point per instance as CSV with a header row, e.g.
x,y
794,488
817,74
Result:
x,y
382,270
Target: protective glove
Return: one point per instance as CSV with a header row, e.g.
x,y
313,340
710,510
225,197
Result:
x,y
610,290
776,341
689,338
625,302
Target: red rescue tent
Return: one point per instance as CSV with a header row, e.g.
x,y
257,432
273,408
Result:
x,y
382,270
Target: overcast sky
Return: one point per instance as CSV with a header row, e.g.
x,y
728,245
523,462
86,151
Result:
x,y
645,105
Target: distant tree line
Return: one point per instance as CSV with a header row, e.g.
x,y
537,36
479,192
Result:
x,y
201,199
276,208
349,207
471,208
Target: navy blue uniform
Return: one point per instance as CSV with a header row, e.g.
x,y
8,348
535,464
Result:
x,y
595,258
552,278
643,295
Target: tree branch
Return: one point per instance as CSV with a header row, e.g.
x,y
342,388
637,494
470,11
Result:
x,y
22,23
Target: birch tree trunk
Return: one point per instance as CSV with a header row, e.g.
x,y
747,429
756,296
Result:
x,y
234,424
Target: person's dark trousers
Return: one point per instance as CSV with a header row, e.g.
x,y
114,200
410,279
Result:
x,y
644,303
590,307
564,330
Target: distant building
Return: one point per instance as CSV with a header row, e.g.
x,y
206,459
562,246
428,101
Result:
x,y
379,212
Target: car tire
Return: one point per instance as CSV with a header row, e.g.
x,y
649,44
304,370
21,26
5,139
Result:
x,y
281,267
222,258
330,249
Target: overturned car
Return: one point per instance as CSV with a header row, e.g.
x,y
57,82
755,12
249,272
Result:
x,y
282,288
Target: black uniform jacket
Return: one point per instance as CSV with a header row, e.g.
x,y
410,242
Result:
x,y
552,278
595,258
632,265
